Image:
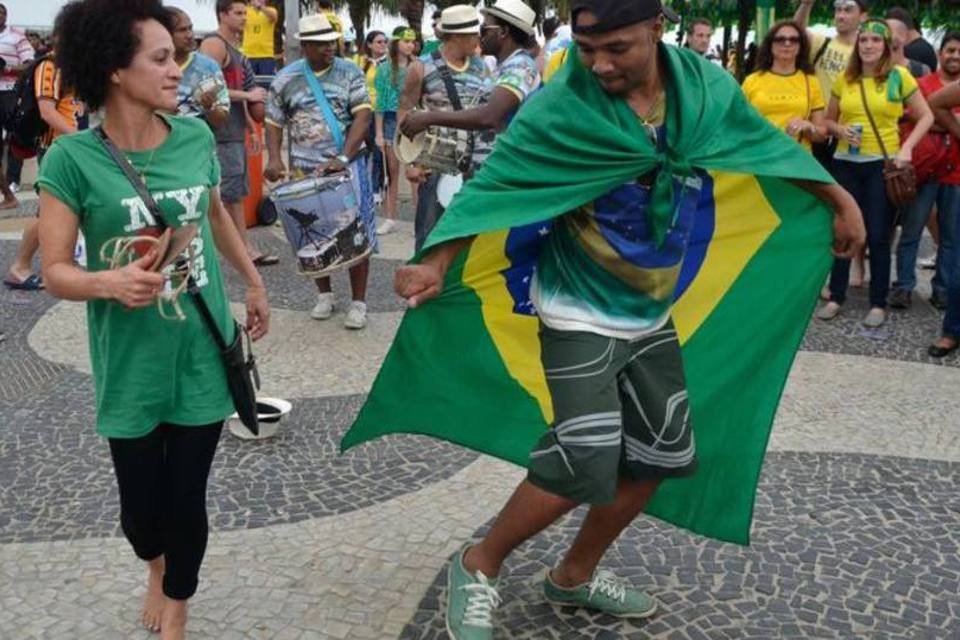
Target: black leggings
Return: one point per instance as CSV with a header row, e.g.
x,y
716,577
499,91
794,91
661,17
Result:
x,y
163,498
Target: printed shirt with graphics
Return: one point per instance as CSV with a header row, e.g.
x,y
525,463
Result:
x,y
292,105
519,75
197,69
15,50
258,34
473,83
781,98
832,63
46,83
387,89
147,369
886,113
929,85
238,74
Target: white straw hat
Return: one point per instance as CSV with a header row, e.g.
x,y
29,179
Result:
x,y
515,12
460,18
317,28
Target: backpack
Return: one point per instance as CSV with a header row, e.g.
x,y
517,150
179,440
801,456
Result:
x,y
24,125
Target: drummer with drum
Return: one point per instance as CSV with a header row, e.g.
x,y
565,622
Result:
x,y
506,33
450,79
322,102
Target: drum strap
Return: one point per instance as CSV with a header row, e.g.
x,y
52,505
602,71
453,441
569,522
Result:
x,y
324,105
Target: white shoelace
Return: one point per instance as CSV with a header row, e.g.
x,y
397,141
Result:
x,y
609,585
482,599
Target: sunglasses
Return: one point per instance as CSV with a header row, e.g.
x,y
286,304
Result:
x,y
786,40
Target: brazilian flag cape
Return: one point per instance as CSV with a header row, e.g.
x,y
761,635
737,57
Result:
x,y
465,367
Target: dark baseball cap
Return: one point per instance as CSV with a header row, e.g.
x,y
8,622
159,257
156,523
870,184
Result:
x,y
615,14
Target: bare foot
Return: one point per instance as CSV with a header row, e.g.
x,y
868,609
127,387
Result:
x,y
154,601
174,623
9,203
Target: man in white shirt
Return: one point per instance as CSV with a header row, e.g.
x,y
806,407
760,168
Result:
x,y
16,54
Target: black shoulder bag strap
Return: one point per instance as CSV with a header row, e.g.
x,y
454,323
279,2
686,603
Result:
x,y
821,51
154,209
448,82
451,87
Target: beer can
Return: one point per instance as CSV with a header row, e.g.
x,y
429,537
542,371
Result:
x,y
858,129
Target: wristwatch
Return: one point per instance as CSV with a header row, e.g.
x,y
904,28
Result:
x,y
343,159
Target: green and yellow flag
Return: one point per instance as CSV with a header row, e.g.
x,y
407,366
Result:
x,y
766,16
466,367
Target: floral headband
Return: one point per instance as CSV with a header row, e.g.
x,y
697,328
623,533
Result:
x,y
877,27
407,35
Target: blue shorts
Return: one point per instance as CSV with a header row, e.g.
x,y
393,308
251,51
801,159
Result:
x,y
389,127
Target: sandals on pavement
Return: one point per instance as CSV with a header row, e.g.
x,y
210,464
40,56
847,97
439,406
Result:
x,y
266,260
31,283
936,351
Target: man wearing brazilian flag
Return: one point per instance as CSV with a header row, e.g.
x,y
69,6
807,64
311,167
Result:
x,y
635,262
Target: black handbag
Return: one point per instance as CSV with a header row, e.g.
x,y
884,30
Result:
x,y
240,366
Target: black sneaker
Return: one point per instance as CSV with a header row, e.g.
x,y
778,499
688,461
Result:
x,y
939,300
900,299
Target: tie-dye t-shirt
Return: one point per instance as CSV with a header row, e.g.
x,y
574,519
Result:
x,y
474,84
200,69
292,105
519,75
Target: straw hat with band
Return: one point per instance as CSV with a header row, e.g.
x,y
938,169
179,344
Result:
x,y
316,28
514,12
460,19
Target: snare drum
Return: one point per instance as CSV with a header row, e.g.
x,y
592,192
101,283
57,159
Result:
x,y
438,148
322,220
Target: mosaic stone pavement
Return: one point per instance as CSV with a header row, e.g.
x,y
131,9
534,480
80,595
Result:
x,y
857,518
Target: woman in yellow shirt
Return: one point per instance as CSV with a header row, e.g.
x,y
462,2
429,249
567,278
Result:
x,y
784,88
872,86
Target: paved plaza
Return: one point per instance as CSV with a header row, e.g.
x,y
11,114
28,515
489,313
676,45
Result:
x,y
856,532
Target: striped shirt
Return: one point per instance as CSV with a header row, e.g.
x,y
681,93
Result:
x,y
15,50
46,82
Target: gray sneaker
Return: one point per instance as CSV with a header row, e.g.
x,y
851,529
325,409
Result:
x,y
900,299
875,318
606,593
829,311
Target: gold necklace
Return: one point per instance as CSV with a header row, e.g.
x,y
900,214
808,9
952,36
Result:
x,y
143,172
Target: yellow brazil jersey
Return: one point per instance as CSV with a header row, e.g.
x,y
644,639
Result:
x,y
832,61
886,100
781,98
258,34
554,63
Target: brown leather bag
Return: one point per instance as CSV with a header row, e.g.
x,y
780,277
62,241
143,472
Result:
x,y
901,182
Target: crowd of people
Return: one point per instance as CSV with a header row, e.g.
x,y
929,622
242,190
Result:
x,y
873,98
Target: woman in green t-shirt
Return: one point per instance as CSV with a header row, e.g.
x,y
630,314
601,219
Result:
x,y
389,83
161,393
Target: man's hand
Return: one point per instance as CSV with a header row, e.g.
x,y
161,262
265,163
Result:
x,y
208,99
418,283
849,234
275,171
257,94
333,165
415,122
258,4
416,175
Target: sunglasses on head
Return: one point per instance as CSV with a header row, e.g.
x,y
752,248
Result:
x,y
786,39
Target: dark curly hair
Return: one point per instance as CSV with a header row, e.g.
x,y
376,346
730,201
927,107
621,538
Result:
x,y
97,37
765,53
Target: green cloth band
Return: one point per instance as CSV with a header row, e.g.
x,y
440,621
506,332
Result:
x,y
408,35
877,27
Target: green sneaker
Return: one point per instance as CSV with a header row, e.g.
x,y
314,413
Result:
x,y
606,593
471,601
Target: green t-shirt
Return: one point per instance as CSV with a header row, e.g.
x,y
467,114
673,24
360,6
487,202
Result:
x,y
148,370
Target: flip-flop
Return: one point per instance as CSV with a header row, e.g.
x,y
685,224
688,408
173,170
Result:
x,y
265,260
32,283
